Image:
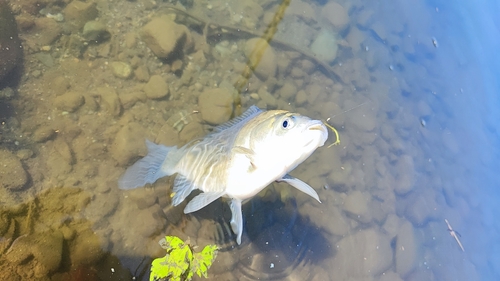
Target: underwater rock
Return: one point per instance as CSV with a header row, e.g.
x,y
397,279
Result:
x,y
42,250
12,174
121,69
87,249
77,13
156,88
264,62
357,205
128,144
335,14
325,46
70,101
165,37
405,178
216,105
365,253
48,29
406,249
43,134
10,45
109,100
95,31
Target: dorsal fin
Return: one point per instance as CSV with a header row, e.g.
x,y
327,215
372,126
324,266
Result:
x,y
248,114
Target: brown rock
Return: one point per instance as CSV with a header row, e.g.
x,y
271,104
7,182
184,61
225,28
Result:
x,y
77,13
156,88
12,174
110,100
164,37
262,57
70,101
128,144
216,105
48,29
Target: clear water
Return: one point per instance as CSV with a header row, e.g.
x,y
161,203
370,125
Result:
x,y
413,91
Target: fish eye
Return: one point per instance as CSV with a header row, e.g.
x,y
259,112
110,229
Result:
x,y
288,123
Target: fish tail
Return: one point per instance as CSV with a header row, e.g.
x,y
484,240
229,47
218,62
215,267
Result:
x,y
159,162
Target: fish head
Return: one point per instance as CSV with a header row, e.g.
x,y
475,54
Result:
x,y
288,138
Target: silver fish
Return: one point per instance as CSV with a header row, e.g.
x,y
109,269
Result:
x,y
237,160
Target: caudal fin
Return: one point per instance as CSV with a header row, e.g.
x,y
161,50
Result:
x,y
155,165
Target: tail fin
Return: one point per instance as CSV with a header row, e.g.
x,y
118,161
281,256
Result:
x,y
157,164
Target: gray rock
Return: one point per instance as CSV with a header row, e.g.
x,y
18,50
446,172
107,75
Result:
x,y
357,205
363,254
405,179
406,249
12,174
156,88
335,14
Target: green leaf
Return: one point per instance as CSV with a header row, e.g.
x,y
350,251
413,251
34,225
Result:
x,y
203,261
181,263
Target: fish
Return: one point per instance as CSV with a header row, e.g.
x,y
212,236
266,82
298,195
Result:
x,y
236,160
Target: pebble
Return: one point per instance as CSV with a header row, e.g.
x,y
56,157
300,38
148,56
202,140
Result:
x,y
216,105
12,174
121,69
156,88
69,101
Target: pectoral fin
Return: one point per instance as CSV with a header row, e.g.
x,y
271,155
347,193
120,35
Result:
x,y
201,200
236,219
300,185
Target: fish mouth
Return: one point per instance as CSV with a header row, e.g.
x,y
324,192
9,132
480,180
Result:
x,y
317,126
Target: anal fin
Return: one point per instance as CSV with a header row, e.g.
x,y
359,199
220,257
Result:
x,y
201,200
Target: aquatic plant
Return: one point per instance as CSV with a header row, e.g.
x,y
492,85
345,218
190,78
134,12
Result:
x,y
181,262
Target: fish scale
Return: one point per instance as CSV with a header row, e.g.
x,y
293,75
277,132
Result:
x,y
237,160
